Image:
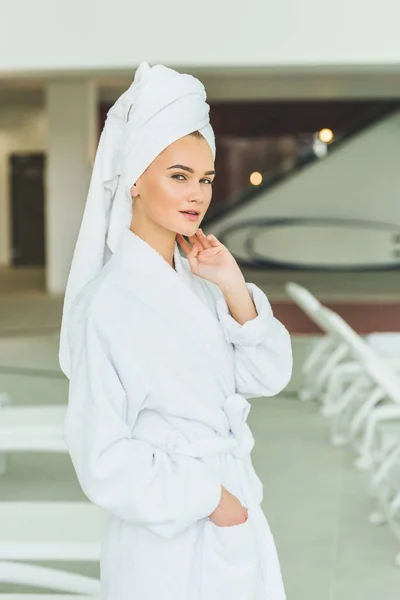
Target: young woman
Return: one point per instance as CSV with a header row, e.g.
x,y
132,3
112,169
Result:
x,y
162,351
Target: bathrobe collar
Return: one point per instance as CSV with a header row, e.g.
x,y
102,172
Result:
x,y
176,294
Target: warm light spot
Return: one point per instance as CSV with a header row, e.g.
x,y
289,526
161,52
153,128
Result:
x,y
326,135
256,178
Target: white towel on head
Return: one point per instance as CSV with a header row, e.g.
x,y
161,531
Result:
x,y
160,107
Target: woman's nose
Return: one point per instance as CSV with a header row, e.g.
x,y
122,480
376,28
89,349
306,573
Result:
x,y
196,192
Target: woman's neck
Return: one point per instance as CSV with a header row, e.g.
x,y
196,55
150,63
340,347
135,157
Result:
x,y
163,241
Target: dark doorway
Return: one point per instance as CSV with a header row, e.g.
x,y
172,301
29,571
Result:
x,y
27,209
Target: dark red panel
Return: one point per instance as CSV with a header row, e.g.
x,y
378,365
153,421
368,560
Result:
x,y
364,318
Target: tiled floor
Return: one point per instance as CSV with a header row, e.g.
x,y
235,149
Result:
x,y
314,499
318,507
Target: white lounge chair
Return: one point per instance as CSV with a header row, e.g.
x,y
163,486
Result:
x,y
378,419
357,380
330,364
30,428
50,531
320,357
330,354
385,343
334,359
350,409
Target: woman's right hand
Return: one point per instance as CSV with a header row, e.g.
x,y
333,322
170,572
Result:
x,y
229,511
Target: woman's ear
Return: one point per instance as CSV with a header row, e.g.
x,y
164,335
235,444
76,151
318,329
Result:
x,y
134,191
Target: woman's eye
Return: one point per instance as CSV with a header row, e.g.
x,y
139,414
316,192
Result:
x,y
177,176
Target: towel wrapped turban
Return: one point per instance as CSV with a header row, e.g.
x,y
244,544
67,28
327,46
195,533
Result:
x,y
160,107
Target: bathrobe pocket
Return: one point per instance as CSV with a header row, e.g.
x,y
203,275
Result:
x,y
230,562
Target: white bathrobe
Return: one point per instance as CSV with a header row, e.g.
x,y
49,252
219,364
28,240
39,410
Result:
x,y
156,423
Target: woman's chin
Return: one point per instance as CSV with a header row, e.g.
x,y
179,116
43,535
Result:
x,y
189,230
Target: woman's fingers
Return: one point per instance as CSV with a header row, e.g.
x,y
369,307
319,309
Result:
x,y
195,250
186,247
214,242
199,241
206,243
195,239
190,251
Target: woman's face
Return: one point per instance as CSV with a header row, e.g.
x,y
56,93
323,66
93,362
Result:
x,y
179,179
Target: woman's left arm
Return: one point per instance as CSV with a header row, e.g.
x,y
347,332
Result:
x,y
262,346
263,353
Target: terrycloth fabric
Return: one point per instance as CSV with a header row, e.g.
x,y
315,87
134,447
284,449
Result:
x,y
157,422
160,107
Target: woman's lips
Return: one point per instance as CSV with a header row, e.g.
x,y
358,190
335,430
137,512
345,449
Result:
x,y
190,216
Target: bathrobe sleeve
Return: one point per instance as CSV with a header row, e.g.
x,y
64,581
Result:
x,y
127,477
262,347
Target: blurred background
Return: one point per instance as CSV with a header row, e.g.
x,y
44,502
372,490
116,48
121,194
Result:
x,y
305,105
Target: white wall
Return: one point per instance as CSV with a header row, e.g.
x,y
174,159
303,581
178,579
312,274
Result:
x,y
22,129
44,35
360,180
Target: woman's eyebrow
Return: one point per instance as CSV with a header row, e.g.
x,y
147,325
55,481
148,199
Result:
x,y
189,169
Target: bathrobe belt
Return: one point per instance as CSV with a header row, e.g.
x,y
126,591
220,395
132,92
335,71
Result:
x,y
239,442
